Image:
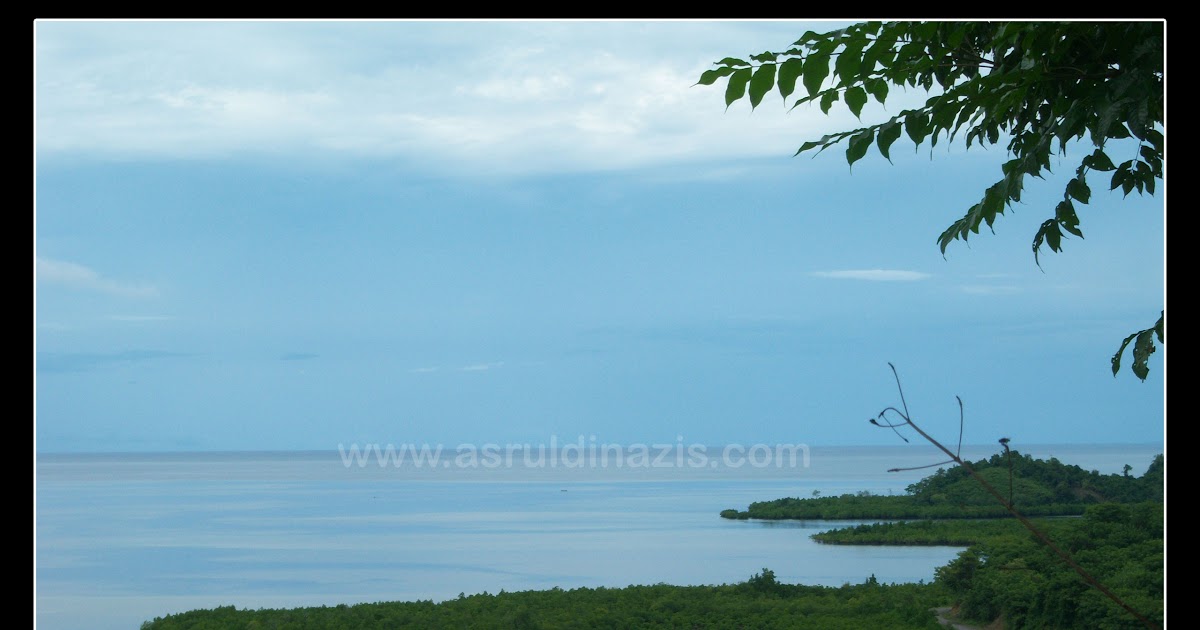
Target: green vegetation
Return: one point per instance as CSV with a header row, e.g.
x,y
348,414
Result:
x,y
1016,578
947,532
1035,87
1005,573
1039,488
760,602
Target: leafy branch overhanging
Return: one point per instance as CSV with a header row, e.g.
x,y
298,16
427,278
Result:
x,y
1038,85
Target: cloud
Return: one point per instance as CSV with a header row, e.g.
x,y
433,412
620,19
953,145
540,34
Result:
x,y
505,97
479,367
78,276
298,356
876,275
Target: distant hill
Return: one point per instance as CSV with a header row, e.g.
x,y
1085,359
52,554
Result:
x,y
1039,488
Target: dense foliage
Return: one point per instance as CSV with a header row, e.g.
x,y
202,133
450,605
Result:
x,y
760,602
1035,87
1018,579
1006,573
1039,488
944,532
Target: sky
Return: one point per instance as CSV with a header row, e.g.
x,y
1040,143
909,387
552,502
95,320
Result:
x,y
261,235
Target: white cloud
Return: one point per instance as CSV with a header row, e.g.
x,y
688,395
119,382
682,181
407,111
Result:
x,y
479,367
481,97
79,276
877,275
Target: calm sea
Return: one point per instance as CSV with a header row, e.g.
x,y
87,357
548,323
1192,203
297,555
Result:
x,y
123,538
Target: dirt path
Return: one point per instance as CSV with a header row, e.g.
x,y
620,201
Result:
x,y
944,618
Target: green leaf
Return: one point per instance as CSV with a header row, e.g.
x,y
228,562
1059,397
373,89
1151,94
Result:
x,y
1145,175
761,83
993,202
789,71
942,72
955,38
1079,190
816,68
878,88
1156,138
916,124
1039,238
1064,213
1116,359
1099,161
858,144
849,61
954,231
730,61
856,97
943,114
1118,178
1014,183
1140,124
736,87
1054,238
808,36
710,76
827,100
1143,347
810,145
888,133
924,30
1119,133
766,57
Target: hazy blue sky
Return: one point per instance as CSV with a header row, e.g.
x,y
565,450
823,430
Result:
x,y
290,235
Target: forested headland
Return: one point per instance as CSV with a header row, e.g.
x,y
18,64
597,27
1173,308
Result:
x,y
1007,573
1038,488
759,602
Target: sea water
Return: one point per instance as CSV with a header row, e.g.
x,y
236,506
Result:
x,y
123,538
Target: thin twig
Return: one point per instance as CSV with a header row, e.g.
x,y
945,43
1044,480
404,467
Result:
x,y
948,461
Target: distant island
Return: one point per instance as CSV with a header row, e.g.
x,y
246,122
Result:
x,y
1005,577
